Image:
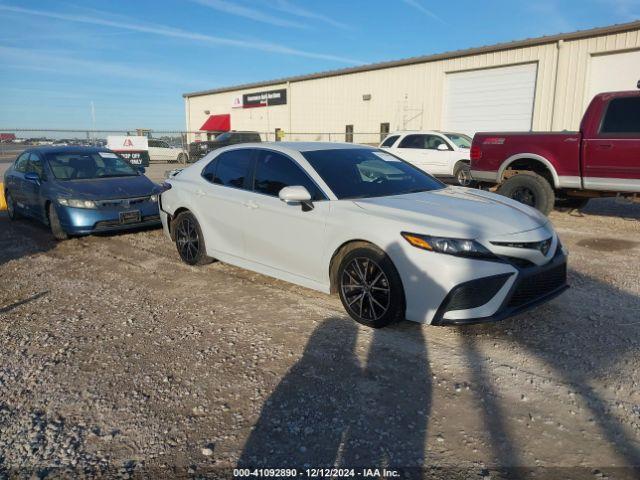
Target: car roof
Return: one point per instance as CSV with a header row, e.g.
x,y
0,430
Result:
x,y
412,132
303,146
53,149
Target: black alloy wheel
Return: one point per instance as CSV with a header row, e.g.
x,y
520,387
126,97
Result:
x,y
189,240
370,288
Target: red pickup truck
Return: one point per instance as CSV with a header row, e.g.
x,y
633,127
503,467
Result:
x,y
540,169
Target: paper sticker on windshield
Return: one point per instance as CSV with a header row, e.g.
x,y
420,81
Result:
x,y
107,155
386,157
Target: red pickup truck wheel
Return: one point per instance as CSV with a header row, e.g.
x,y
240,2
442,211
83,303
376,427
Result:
x,y
531,189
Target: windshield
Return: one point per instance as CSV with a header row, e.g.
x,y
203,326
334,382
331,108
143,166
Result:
x,y
76,166
364,173
460,140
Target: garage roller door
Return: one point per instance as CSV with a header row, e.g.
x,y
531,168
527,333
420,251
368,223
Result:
x,y
495,99
616,71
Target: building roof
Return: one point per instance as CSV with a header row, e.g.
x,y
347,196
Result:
x,y
529,42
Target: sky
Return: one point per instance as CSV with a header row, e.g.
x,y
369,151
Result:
x,y
133,60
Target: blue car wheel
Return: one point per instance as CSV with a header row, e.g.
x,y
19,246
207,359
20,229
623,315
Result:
x,y
54,223
11,207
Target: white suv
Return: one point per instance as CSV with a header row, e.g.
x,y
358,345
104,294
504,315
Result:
x,y
442,154
159,150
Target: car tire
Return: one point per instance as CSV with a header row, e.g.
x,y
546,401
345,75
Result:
x,y
568,204
370,287
462,172
11,207
531,189
189,240
54,223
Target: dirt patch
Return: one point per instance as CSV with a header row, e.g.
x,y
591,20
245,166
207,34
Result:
x,y
608,244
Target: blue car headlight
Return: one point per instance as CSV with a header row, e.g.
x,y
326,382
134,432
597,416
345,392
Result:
x,y
70,202
451,246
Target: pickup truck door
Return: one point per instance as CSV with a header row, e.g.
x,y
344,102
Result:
x,y
611,159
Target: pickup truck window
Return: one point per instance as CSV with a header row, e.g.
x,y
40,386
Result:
x,y
622,116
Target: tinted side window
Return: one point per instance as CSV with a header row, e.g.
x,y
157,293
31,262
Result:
x,y
233,168
622,116
274,171
433,141
413,141
21,162
35,165
390,141
209,172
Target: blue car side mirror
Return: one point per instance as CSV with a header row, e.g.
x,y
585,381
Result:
x,y
141,170
32,177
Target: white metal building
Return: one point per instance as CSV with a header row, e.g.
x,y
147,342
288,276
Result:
x,y
535,84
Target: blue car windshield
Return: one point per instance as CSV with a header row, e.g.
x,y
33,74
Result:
x,y
363,173
78,166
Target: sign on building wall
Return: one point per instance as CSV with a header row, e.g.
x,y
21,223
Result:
x,y
237,102
262,99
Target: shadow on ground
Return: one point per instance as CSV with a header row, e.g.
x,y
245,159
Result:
x,y
331,410
22,238
581,340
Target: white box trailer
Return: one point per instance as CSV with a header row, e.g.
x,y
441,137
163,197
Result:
x,y
134,148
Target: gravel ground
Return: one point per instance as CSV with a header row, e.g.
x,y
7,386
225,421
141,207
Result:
x,y
118,360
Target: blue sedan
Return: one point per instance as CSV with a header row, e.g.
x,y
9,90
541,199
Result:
x,y
80,190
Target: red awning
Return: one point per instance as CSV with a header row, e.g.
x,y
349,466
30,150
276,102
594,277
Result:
x,y
217,123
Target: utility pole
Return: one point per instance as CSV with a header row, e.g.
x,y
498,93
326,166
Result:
x,y
93,118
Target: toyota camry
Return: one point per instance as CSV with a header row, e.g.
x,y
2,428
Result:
x,y
392,241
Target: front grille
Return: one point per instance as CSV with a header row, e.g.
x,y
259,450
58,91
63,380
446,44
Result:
x,y
122,202
475,293
542,246
519,262
538,285
116,223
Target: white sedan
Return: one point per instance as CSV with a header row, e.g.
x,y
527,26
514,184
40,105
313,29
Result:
x,y
392,241
443,154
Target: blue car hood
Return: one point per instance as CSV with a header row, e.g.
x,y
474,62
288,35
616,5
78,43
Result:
x,y
107,188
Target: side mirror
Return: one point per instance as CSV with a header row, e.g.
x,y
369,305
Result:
x,y
32,177
141,169
294,194
297,194
442,147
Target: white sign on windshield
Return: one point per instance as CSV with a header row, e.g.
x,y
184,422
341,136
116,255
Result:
x,y
107,155
386,157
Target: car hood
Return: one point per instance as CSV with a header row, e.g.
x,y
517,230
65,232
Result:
x,y
457,212
106,188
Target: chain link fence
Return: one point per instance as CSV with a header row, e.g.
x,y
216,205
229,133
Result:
x,y
164,146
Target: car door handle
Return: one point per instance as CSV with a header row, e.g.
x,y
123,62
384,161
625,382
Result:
x,y
200,192
604,146
251,204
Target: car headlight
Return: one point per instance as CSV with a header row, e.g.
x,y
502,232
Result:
x,y
153,198
69,202
451,246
